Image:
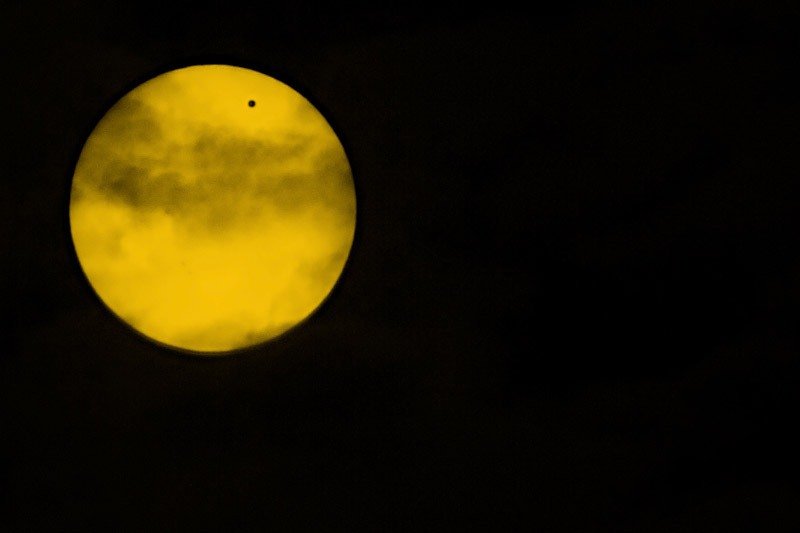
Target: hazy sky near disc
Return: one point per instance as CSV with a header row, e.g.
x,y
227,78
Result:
x,y
206,223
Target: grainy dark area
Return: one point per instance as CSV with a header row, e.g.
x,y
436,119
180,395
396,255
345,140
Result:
x,y
572,303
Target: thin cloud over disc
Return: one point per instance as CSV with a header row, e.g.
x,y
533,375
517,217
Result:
x,y
208,222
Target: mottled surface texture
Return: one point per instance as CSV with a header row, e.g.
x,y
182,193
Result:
x,y
207,225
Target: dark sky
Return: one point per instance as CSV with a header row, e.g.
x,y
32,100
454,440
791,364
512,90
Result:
x,y
571,304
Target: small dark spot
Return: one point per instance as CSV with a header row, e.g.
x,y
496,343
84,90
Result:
x,y
251,103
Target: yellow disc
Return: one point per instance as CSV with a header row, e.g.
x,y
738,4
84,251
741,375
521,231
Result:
x,y
212,208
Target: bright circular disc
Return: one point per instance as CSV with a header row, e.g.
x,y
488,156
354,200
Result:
x,y
212,208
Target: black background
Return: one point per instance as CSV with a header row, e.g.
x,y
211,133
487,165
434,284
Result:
x,y
571,304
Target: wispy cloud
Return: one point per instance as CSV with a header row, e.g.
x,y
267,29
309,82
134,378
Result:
x,y
213,231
